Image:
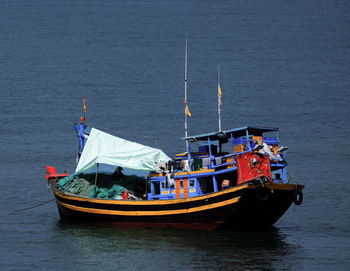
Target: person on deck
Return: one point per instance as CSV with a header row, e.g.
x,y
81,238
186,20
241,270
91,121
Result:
x,y
278,178
225,184
118,174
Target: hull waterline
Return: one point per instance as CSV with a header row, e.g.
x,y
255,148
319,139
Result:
x,y
245,206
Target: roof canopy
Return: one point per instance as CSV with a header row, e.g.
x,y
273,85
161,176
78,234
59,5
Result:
x,y
224,135
103,148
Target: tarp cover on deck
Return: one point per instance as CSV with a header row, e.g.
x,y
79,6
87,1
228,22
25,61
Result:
x,y
103,148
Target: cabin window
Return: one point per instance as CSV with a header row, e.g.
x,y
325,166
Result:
x,y
163,185
192,183
181,184
231,177
206,184
202,185
226,148
277,176
156,186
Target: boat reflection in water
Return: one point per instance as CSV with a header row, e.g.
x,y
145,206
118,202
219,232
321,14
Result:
x,y
224,250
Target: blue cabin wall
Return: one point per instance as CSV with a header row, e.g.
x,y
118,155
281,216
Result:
x,y
222,163
196,187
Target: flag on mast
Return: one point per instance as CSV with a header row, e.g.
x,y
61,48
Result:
x,y
82,119
220,94
84,106
188,113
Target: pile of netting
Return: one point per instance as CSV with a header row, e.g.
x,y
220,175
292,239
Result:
x,y
107,187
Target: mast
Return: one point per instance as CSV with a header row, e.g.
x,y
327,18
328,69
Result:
x,y
219,99
185,101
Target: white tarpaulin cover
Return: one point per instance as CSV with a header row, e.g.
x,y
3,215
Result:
x,y
103,148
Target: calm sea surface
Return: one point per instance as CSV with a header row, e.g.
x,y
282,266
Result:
x,y
283,63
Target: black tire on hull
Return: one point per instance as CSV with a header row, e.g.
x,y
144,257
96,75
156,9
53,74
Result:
x,y
298,198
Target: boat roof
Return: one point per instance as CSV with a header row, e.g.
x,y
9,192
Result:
x,y
103,148
225,134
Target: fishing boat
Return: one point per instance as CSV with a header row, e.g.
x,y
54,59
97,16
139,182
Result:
x,y
236,178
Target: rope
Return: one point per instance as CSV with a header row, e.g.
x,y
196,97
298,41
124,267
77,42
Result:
x,y
32,207
292,177
120,132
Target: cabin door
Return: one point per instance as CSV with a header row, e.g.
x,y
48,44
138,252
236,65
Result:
x,y
181,187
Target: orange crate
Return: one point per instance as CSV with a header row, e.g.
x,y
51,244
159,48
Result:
x,y
229,160
258,139
238,148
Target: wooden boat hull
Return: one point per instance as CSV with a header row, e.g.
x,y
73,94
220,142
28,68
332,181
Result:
x,y
243,206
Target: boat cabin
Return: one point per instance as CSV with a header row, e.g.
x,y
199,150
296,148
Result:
x,y
213,166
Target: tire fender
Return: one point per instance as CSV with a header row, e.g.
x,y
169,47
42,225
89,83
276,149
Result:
x,y
298,197
262,193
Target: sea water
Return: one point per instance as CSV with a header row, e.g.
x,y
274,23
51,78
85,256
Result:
x,y
282,63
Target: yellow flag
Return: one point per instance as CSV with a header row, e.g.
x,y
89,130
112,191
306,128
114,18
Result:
x,y
188,113
219,90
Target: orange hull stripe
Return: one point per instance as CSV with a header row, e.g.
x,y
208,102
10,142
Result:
x,y
149,202
149,213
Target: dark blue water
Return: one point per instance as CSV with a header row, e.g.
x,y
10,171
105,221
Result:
x,y
283,64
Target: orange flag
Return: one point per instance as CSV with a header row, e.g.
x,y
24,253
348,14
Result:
x,y
220,94
84,106
188,113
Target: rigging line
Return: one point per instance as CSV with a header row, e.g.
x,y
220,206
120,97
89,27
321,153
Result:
x,y
120,132
32,207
